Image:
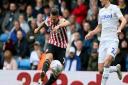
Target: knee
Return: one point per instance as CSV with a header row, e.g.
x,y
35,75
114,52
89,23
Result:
x,y
49,56
108,61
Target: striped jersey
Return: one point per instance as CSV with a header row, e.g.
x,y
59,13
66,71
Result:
x,y
59,37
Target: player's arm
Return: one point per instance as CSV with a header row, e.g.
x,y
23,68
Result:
x,y
123,23
63,23
121,18
93,32
39,27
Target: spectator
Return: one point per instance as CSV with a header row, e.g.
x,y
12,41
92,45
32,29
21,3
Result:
x,y
92,16
83,54
40,18
23,24
63,6
75,37
95,45
9,45
13,35
52,4
80,11
46,12
123,6
86,28
72,62
21,46
93,61
5,7
9,61
35,55
74,26
93,3
29,14
22,6
122,55
31,36
39,7
10,16
121,38
66,14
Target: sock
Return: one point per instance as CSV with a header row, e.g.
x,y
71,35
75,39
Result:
x,y
45,69
105,76
113,69
51,80
46,65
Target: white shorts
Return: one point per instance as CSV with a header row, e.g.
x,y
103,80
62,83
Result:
x,y
107,48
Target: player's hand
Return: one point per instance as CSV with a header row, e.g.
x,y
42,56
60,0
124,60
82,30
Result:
x,y
118,32
36,30
56,28
89,35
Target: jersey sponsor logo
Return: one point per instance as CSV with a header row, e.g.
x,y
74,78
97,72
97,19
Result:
x,y
104,17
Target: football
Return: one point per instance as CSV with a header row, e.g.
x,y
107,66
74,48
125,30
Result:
x,y
56,67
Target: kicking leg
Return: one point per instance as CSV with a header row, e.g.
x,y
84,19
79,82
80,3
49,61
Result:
x,y
54,75
49,58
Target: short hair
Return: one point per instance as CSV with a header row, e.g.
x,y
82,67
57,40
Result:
x,y
54,12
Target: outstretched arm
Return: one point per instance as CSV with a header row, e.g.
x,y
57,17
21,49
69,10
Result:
x,y
39,27
93,32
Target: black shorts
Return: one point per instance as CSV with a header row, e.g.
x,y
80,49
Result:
x,y
58,53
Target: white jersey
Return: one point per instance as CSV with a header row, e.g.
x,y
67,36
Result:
x,y
109,20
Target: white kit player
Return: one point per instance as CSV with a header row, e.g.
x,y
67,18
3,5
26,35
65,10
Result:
x,y
108,25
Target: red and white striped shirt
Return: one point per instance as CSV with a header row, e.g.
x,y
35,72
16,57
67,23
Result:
x,y
59,37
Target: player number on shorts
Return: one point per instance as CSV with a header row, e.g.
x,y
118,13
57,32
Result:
x,y
113,51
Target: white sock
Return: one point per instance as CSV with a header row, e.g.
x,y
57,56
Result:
x,y
105,76
112,69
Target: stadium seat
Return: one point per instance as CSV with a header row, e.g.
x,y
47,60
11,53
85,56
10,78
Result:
x,y
24,64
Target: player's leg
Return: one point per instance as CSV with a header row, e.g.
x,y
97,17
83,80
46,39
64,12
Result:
x,y
111,53
109,69
101,57
101,63
49,58
106,69
59,55
112,50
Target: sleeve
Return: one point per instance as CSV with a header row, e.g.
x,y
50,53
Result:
x,y
46,22
118,12
99,19
62,20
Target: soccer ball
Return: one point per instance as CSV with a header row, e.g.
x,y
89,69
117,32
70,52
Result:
x,y
56,67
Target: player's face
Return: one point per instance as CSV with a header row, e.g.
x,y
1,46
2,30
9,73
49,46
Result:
x,y
104,2
54,19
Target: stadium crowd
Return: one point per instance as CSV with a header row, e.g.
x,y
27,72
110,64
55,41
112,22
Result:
x,y
21,48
